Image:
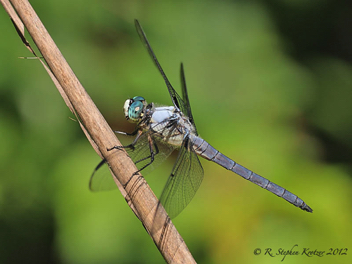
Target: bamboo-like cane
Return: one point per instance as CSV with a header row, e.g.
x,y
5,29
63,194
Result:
x,y
137,193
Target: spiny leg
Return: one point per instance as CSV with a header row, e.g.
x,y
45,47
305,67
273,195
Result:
x,y
152,153
153,150
128,134
130,146
151,157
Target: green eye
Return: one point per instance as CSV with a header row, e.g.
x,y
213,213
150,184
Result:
x,y
136,108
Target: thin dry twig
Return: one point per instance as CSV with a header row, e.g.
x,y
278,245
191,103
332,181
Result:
x,y
137,192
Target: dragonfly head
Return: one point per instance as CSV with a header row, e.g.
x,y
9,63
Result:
x,y
134,109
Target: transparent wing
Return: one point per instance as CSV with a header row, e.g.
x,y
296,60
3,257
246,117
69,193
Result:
x,y
176,99
142,151
184,181
186,99
101,179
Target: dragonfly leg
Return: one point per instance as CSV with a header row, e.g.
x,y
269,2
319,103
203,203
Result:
x,y
151,157
128,134
130,146
152,153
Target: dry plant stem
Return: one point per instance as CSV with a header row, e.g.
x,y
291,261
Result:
x,y
137,191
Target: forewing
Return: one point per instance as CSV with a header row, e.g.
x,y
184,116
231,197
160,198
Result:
x,y
176,99
185,98
184,181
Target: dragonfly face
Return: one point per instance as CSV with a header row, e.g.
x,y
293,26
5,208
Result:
x,y
160,130
134,109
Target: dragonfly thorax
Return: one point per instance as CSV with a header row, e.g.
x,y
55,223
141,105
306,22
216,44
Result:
x,y
170,125
134,108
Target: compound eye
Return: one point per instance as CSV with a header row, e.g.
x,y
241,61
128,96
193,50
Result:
x,y
135,110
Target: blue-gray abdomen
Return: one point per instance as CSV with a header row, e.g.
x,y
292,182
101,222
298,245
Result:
x,y
205,150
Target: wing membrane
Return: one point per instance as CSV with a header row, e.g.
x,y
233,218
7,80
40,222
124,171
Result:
x,y
186,103
101,179
184,181
142,151
176,99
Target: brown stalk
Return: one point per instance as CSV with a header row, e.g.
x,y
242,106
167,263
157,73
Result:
x,y
137,192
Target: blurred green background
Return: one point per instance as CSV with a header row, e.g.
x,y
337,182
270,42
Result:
x,y
270,86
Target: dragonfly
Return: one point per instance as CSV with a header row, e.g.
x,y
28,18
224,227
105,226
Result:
x,y
162,129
